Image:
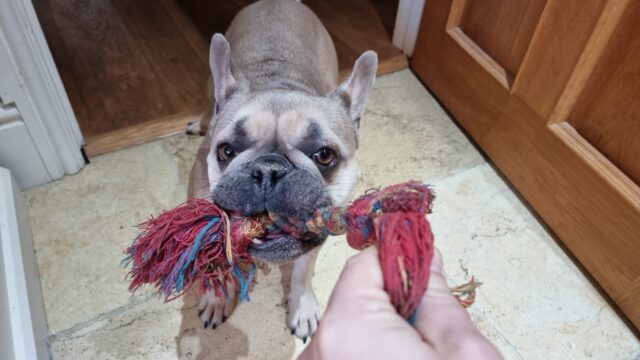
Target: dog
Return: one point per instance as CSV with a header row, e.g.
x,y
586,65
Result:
x,y
282,138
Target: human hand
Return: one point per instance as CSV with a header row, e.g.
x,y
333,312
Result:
x,y
361,323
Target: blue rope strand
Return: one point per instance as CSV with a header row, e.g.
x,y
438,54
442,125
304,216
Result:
x,y
414,317
192,254
244,283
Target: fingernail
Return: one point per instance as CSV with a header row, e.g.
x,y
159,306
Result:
x,y
224,318
200,312
214,326
304,340
206,325
293,331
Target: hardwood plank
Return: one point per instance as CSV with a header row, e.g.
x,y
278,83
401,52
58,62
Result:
x,y
63,63
354,25
124,62
385,66
199,43
179,70
114,79
140,133
387,10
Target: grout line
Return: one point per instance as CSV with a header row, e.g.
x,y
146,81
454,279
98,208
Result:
x,y
437,180
105,315
493,327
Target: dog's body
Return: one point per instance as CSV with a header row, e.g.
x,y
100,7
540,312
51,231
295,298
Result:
x,y
283,136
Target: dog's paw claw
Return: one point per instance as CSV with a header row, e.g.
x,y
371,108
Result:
x,y
214,310
303,315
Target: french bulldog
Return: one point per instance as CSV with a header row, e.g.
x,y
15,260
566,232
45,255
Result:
x,y
282,137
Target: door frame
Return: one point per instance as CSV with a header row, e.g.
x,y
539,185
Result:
x,y
29,80
22,314
405,31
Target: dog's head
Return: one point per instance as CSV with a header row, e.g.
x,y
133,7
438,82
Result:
x,y
285,150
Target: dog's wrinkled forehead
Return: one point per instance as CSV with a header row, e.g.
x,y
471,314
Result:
x,y
282,121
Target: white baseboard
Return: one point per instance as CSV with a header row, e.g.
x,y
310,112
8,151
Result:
x,y
22,317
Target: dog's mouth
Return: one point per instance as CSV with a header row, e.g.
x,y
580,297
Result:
x,y
281,247
297,195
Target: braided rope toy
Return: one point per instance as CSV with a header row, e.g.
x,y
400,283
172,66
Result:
x,y
199,241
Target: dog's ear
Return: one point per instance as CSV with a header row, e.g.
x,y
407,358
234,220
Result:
x,y
224,81
354,91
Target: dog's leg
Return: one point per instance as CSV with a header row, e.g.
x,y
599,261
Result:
x,y
213,309
304,311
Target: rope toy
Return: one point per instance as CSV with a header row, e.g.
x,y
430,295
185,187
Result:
x,y
199,241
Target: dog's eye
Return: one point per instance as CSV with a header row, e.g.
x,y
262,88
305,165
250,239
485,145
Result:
x,y
325,157
226,152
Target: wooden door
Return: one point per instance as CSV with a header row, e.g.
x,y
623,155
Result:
x,y
551,92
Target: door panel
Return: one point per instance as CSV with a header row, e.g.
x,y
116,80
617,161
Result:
x,y
531,119
502,28
607,113
552,58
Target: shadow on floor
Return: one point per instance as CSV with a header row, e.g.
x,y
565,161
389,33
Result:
x,y
255,330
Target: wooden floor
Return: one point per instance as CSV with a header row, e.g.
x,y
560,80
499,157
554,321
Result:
x,y
137,70
355,26
125,62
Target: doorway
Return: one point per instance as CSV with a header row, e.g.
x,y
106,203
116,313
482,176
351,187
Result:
x,y
136,71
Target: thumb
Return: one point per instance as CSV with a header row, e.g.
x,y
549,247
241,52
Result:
x,y
443,322
440,314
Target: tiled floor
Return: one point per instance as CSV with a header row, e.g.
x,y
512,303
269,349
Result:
x,y
534,303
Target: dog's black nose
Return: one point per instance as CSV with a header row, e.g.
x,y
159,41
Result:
x,y
268,169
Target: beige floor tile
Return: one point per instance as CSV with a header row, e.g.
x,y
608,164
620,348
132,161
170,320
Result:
x,y
157,330
532,293
82,223
406,135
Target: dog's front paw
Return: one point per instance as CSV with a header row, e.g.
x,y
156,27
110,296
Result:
x,y
303,314
214,310
195,128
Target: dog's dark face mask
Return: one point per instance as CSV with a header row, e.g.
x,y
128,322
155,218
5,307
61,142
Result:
x,y
271,183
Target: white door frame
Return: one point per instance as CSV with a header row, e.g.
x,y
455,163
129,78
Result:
x,y
23,323
407,25
29,79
